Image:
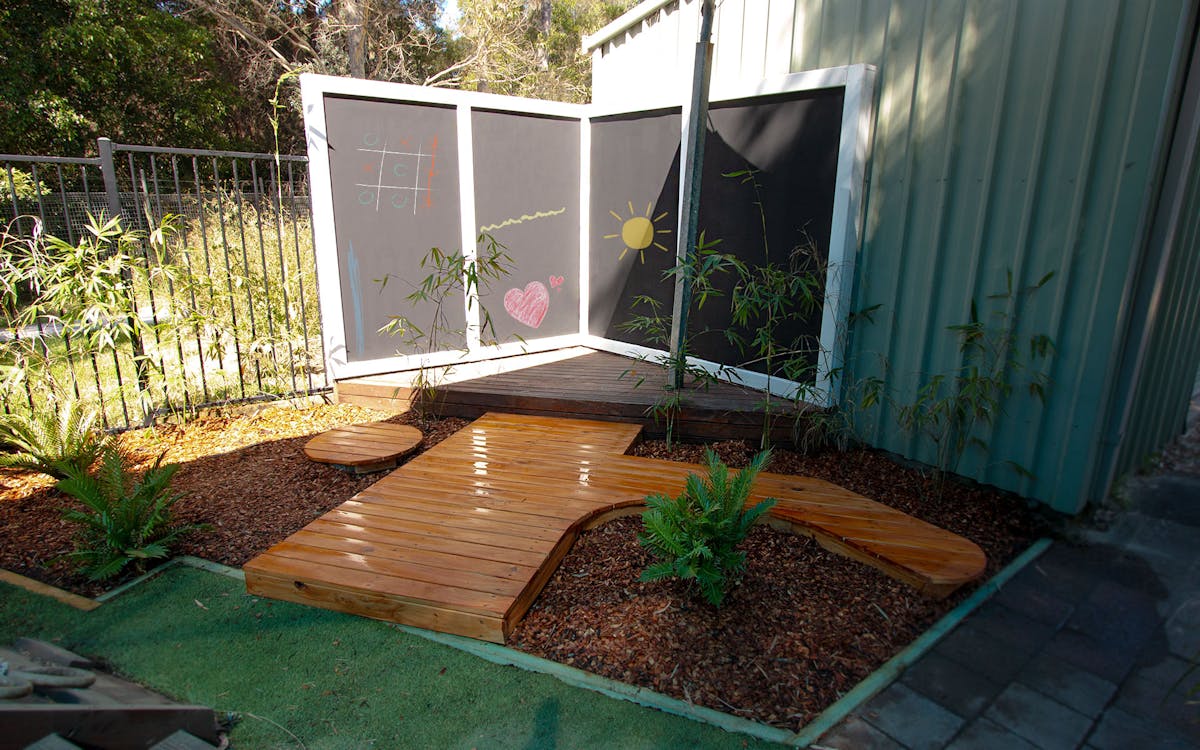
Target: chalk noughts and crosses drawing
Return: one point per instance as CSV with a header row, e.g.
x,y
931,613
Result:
x,y
401,175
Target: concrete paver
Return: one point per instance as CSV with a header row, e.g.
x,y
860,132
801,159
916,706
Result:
x,y
911,718
1041,720
1088,647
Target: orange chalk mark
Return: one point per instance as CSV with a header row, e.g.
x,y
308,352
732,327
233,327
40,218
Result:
x,y
429,176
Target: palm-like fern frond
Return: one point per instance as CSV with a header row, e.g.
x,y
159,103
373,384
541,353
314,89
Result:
x,y
60,435
695,535
125,519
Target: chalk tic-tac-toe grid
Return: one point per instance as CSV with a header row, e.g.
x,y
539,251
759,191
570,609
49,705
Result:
x,y
402,176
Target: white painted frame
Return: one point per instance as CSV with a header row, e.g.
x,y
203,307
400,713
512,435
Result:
x,y
313,89
846,234
846,229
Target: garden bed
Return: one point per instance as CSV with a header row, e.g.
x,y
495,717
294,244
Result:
x,y
803,628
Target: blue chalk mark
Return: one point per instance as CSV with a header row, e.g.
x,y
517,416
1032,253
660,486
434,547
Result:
x,y
356,299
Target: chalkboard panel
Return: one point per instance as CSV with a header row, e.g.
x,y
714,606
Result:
x,y
527,199
394,172
634,213
790,143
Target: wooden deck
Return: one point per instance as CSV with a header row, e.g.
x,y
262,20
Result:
x,y
597,385
463,537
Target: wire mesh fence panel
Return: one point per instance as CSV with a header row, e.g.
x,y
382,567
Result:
x,y
217,281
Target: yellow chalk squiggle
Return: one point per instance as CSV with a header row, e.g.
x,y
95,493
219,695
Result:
x,y
524,218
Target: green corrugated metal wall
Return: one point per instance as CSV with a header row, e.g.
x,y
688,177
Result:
x,y
1016,137
1170,301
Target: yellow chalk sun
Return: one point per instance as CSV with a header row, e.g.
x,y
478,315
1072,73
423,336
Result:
x,y
638,231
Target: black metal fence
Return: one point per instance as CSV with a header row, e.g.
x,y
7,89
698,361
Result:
x,y
236,319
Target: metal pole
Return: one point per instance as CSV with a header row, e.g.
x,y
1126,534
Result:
x,y
109,172
685,254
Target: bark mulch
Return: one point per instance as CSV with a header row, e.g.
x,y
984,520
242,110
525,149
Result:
x,y
246,477
800,630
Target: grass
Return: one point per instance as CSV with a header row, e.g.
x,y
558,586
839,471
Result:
x,y
326,680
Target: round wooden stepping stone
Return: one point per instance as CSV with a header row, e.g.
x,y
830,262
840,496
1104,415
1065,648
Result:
x,y
363,448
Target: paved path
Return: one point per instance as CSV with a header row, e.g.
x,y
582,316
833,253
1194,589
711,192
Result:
x,y
1082,649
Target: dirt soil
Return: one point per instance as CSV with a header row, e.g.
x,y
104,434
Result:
x,y
800,630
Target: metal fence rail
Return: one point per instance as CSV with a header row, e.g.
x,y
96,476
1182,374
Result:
x,y
236,318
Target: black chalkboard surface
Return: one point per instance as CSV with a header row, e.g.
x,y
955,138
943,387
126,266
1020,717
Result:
x,y
394,172
790,144
634,212
788,141
527,199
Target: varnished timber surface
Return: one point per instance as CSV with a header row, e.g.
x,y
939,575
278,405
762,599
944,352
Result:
x,y
364,447
598,385
462,538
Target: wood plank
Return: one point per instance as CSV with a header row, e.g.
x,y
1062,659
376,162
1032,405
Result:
x,y
301,570
437,531
467,551
401,511
262,582
424,557
310,549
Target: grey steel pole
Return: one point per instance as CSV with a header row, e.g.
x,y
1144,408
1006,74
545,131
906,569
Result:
x,y
685,254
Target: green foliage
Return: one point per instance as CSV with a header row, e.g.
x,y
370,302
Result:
x,y
131,70
19,184
84,289
953,410
695,536
60,436
125,519
532,48
452,278
652,323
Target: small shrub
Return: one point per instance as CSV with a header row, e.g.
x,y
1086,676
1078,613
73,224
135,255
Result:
x,y
125,519
59,436
695,536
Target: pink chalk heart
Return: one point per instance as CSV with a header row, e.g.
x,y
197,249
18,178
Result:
x,y
528,306
556,282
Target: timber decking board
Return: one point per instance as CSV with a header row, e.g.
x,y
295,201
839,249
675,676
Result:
x,y
591,386
463,537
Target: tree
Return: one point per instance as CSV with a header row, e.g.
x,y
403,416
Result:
x,y
530,48
387,40
72,70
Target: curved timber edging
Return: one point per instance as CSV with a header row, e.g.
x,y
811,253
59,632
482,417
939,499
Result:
x,y
463,538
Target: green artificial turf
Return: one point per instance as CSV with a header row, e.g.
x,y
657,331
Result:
x,y
333,680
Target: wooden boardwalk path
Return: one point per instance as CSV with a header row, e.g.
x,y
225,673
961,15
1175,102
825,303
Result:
x,y
462,538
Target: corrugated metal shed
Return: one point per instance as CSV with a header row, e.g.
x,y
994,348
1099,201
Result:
x,y
1021,137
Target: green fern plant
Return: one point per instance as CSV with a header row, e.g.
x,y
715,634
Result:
x,y
125,520
695,536
61,434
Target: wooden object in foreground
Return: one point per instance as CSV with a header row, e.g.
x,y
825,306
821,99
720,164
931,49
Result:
x,y
462,538
364,448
